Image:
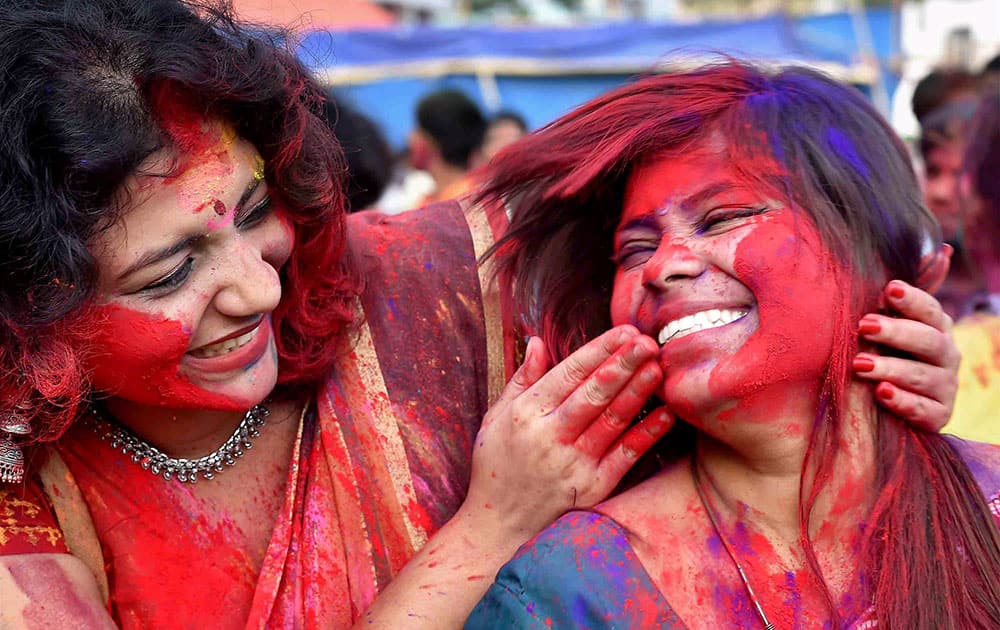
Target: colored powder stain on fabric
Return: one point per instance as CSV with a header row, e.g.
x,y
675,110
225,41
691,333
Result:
x,y
580,612
393,308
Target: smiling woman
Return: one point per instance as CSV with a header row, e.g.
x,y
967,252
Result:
x,y
745,219
203,283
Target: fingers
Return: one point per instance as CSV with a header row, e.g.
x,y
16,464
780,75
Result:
x,y
555,387
594,399
921,340
636,441
609,425
536,363
920,379
913,303
920,411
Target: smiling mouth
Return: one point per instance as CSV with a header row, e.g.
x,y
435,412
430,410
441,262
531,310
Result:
x,y
225,347
696,322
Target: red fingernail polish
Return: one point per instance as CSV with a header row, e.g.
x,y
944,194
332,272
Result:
x,y
884,392
896,291
863,364
869,327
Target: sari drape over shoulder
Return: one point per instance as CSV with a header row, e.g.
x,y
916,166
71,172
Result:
x,y
381,460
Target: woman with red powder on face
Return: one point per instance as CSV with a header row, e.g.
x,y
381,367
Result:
x,y
234,409
747,219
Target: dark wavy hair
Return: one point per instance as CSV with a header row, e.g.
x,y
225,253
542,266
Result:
x,y
77,83
841,164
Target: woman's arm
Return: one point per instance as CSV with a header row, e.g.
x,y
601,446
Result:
x,y
552,441
920,389
49,590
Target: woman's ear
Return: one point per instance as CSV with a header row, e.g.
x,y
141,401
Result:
x,y
934,268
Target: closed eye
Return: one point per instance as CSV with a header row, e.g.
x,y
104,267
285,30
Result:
x,y
170,281
633,254
256,214
721,218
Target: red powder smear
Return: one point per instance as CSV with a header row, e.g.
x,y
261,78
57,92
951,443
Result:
x,y
180,119
54,598
136,356
218,207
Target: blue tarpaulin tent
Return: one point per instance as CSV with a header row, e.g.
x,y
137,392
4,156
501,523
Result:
x,y
544,72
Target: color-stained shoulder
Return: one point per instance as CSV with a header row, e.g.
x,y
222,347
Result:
x,y
983,461
581,572
374,237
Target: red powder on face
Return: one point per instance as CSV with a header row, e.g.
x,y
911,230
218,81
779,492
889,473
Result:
x,y
798,286
137,357
218,207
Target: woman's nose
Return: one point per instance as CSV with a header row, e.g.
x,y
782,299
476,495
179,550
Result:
x,y
673,260
249,285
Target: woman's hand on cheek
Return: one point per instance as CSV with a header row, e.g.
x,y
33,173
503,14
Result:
x,y
560,438
920,389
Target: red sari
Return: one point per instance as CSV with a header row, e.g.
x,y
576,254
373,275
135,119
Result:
x,y
380,463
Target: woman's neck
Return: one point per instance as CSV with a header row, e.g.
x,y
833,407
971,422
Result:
x,y
183,433
761,480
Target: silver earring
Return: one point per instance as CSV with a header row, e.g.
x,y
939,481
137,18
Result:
x,y
12,423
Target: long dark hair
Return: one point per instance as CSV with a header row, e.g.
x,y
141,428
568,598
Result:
x,y
564,187
77,81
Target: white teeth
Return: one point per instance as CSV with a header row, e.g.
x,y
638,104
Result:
x,y
225,347
712,318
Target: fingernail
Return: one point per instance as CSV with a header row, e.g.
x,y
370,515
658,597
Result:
x,y
884,392
640,351
869,327
896,291
646,377
863,364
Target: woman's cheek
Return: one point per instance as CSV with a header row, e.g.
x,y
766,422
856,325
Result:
x,y
136,356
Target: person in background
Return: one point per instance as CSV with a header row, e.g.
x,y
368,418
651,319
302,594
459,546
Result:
x,y
368,154
505,128
940,87
977,334
943,136
944,103
449,131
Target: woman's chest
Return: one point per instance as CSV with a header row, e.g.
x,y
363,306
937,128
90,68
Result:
x,y
165,542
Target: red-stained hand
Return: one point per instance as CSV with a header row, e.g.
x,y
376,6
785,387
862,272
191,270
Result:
x,y
920,390
560,438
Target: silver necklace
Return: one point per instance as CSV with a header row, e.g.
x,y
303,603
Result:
x,y
725,543
157,462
